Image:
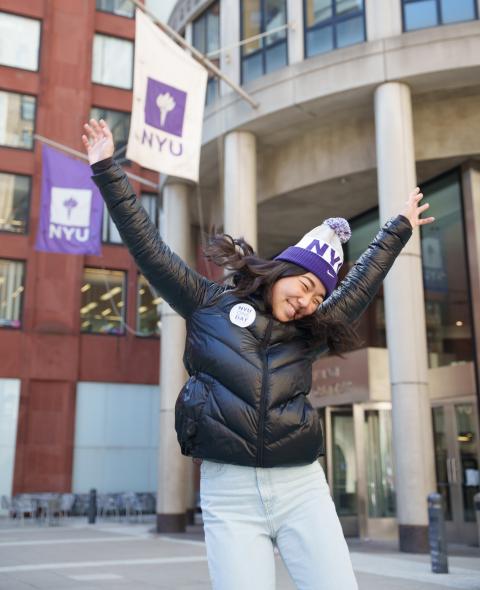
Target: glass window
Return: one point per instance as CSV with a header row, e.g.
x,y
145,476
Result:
x,y
206,38
331,24
19,41
103,301
269,53
112,62
120,7
371,325
12,285
344,463
467,437
440,441
110,233
379,462
14,202
17,117
445,276
119,123
148,309
150,204
419,14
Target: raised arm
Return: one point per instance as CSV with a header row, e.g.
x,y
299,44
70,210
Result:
x,y
183,288
353,295
350,299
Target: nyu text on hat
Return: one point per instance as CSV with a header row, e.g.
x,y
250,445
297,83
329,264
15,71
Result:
x,y
320,251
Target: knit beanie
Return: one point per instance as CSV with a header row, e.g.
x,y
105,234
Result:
x,y
320,251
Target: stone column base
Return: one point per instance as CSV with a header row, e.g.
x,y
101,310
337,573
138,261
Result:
x,y
413,539
171,523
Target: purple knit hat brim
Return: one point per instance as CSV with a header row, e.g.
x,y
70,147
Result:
x,y
312,263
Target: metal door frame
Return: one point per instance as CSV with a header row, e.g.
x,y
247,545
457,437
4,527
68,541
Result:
x,y
458,531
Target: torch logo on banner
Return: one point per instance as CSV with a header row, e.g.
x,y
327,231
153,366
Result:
x,y
164,110
70,214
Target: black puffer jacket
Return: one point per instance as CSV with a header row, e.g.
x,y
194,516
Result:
x,y
246,399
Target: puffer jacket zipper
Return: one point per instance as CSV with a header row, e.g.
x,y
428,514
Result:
x,y
263,394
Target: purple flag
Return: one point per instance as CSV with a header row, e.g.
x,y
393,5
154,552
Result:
x,y
71,206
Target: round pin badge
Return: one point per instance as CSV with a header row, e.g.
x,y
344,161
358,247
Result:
x,y
243,315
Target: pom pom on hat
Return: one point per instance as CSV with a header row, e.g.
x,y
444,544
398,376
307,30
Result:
x,y
340,227
320,251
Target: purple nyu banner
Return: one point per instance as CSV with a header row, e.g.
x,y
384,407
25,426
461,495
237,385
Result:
x,y
71,206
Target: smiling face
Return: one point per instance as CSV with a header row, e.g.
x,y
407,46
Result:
x,y
296,297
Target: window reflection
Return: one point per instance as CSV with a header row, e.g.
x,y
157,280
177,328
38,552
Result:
x,y
20,41
11,292
112,62
206,38
371,326
14,202
269,53
331,24
17,111
420,14
148,309
344,463
447,305
379,462
103,301
120,7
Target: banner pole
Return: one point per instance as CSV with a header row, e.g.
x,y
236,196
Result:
x,y
197,54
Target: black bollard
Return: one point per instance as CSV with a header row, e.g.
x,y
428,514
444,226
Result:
x,y
436,535
92,506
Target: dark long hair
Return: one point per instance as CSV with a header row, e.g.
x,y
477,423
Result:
x,y
251,274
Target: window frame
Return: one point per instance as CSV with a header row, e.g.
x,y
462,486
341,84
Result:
x,y
27,221
440,22
215,60
132,42
22,302
123,334
333,21
455,172
263,50
40,40
103,11
34,129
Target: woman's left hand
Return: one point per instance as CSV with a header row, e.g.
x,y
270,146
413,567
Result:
x,y
413,209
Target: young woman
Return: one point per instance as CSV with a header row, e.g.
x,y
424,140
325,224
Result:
x,y
249,352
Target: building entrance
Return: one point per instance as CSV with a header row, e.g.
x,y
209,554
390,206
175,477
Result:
x,y
457,454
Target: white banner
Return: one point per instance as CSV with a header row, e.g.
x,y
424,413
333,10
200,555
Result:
x,y
168,101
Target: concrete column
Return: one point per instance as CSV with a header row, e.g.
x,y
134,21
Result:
x,y
295,33
405,321
229,35
174,470
240,186
471,203
383,18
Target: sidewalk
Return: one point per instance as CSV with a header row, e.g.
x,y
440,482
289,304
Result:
x,y
121,556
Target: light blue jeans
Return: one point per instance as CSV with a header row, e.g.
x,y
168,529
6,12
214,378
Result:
x,y
246,510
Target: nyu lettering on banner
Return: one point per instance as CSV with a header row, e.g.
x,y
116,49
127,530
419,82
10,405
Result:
x,y
168,100
71,206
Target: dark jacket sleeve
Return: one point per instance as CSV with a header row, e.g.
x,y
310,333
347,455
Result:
x,y
354,294
183,288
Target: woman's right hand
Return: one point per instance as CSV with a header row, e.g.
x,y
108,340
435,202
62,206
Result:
x,y
98,142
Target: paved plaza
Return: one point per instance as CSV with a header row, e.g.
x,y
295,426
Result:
x,y
112,555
